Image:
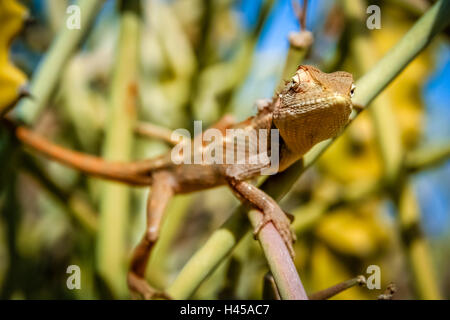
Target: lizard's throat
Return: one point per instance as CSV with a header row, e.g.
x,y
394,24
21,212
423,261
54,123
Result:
x,y
302,125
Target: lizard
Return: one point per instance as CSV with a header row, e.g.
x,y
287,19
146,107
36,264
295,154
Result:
x,y
311,107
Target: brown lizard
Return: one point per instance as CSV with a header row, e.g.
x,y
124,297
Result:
x,y
313,106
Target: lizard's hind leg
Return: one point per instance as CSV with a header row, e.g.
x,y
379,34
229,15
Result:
x,y
161,193
257,198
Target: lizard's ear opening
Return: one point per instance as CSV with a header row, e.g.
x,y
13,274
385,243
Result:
x,y
352,90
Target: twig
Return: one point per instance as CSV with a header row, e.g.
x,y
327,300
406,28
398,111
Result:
x,y
270,290
388,293
280,261
299,43
338,288
300,12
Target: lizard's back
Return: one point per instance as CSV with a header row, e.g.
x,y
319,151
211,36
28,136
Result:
x,y
234,151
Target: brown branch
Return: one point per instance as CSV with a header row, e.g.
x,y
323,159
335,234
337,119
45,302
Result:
x,y
338,288
279,259
300,12
303,39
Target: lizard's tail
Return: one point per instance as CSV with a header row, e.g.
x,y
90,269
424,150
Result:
x,y
135,173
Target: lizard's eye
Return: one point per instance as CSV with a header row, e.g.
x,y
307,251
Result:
x,y
352,90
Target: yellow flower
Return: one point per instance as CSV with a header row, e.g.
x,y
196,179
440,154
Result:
x,y
12,80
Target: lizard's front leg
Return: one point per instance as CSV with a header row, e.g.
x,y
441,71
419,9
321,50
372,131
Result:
x,y
161,193
248,193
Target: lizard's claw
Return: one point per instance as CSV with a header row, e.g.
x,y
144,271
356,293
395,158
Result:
x,y
281,222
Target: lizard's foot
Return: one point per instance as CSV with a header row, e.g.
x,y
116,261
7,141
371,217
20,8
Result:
x,y
140,289
271,211
281,222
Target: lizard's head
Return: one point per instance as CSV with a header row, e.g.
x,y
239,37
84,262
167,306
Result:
x,y
312,107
